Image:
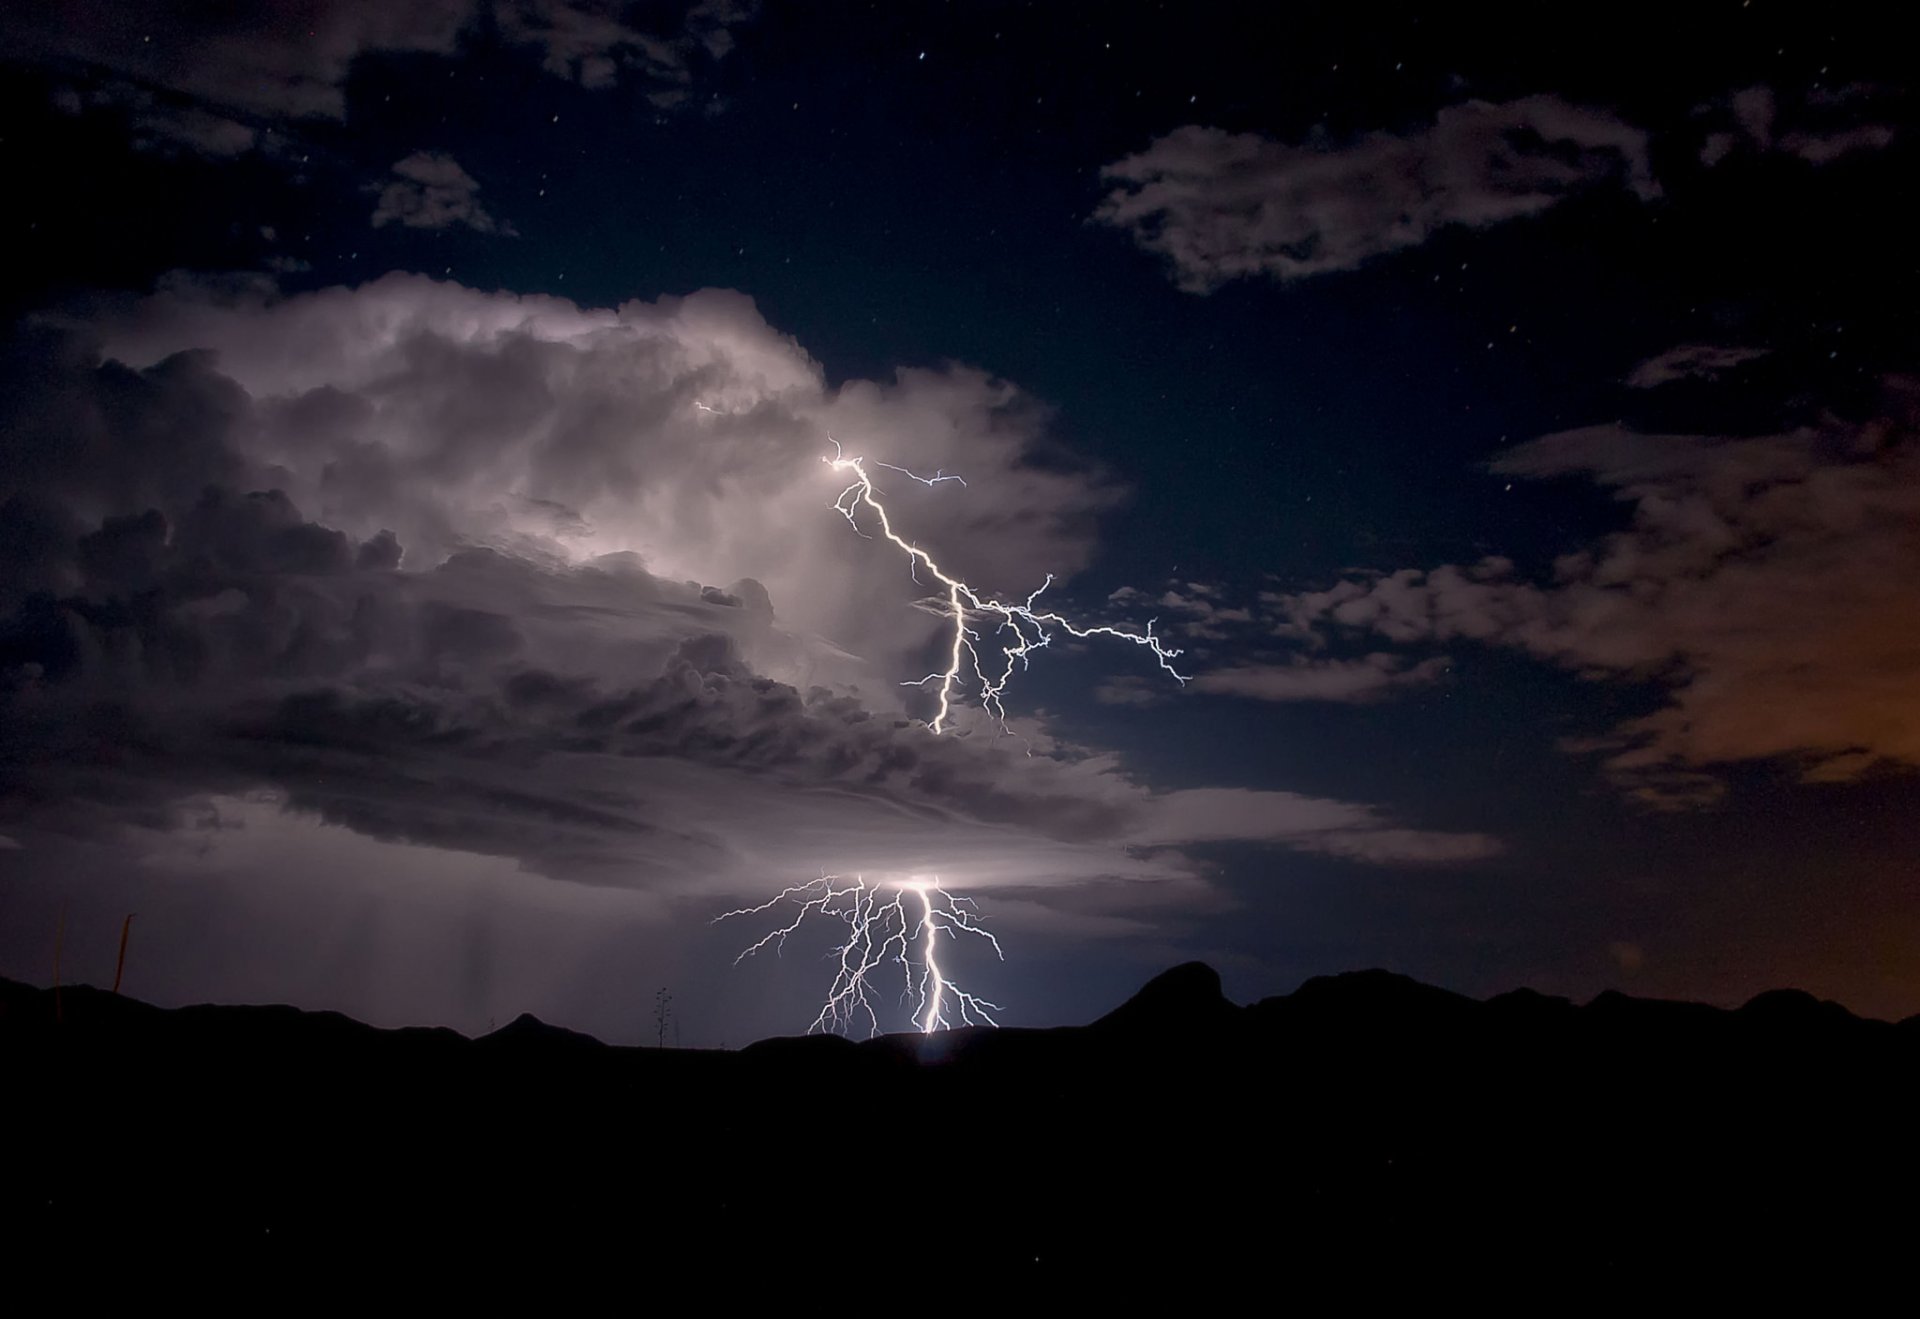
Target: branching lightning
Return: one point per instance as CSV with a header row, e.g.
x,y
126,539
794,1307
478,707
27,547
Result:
x,y
888,925
900,925
1020,629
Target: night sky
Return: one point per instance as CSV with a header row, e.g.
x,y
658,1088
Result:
x,y
421,594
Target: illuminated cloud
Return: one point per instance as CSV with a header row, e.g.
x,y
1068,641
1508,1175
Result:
x,y
1764,583
509,577
687,431
1221,206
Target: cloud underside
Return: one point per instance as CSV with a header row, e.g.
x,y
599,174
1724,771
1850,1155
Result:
x,y
1221,206
515,577
1764,585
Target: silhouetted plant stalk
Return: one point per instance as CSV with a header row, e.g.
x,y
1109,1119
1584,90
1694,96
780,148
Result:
x,y
120,963
59,945
662,1014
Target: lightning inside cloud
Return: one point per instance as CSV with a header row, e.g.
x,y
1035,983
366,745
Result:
x,y
1019,629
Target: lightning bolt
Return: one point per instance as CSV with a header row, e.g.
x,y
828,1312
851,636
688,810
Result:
x,y
888,925
901,924
1021,628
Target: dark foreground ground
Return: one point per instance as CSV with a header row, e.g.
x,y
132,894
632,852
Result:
x,y
1365,1139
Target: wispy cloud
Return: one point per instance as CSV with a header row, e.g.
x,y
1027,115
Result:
x,y
1690,361
214,78
1221,206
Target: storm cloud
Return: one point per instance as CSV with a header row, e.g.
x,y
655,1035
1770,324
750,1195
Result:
x,y
510,577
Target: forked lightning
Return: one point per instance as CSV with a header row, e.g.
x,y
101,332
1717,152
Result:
x,y
900,924
888,925
1030,629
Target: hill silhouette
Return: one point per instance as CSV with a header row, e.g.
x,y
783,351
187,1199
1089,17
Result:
x,y
1363,1139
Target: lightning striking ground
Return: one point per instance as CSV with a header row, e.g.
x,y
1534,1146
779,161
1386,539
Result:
x,y
883,930
1029,628
888,925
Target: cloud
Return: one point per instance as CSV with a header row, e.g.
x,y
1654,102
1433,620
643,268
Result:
x,y
1825,148
429,190
1354,682
1221,206
1129,689
207,77
1200,611
1196,611
1819,126
172,129
163,125
1764,584
1690,361
591,43
1310,824
267,61
471,572
536,427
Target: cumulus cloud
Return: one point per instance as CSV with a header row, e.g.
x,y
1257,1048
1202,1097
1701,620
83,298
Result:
x,y
1221,206
688,431
429,190
473,572
1690,361
208,76
1763,583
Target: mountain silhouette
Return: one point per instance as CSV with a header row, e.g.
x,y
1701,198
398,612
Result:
x,y
1186,1000
1367,1138
526,1033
